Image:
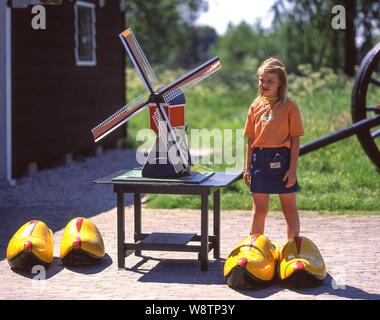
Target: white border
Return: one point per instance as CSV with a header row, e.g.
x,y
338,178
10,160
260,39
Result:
x,y
78,62
6,103
8,93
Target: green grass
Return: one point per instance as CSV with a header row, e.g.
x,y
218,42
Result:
x,y
339,178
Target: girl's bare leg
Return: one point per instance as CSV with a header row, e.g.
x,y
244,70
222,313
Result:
x,y
259,212
289,208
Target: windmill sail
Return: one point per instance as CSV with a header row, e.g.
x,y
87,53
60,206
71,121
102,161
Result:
x,y
139,60
119,118
179,160
177,87
173,141
166,147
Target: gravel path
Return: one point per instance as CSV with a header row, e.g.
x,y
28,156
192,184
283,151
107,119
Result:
x,y
349,244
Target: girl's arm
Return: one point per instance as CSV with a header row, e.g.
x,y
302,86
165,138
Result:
x,y
248,162
291,174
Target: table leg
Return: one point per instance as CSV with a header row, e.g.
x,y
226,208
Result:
x,y
204,232
217,224
137,210
120,229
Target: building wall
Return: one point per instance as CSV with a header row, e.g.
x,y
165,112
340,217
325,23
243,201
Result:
x,y
55,103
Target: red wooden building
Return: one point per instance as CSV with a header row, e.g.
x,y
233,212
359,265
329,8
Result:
x,y
59,77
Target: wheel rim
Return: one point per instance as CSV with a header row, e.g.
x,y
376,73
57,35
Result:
x,y
368,75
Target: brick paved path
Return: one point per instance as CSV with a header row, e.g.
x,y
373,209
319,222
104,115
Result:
x,y
349,245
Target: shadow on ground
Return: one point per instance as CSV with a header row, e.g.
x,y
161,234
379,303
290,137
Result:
x,y
56,266
327,288
187,271
57,195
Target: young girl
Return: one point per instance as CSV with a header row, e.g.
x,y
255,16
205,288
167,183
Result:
x,y
273,128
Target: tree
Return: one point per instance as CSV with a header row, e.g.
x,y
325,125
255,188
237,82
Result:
x,y
310,37
321,43
241,49
351,56
165,29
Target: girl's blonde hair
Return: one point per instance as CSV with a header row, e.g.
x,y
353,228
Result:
x,y
273,65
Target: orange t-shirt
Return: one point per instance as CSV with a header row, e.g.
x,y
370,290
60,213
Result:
x,y
272,127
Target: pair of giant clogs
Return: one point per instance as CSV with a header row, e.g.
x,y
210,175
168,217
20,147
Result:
x,y
255,260
32,244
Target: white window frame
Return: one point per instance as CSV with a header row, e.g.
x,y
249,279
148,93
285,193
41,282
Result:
x,y
6,96
78,60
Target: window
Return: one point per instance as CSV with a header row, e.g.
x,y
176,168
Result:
x,y
85,45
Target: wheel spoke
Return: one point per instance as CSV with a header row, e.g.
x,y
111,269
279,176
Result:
x,y
375,134
376,82
373,108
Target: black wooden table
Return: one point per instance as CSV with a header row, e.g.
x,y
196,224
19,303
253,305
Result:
x,y
169,241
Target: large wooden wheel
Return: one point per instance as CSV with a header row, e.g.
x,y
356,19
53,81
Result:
x,y
367,80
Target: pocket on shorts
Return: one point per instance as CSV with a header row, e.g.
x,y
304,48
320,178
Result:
x,y
276,166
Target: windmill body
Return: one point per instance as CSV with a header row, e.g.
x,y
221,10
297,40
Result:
x,y
169,156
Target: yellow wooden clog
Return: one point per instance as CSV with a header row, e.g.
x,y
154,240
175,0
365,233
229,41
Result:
x,y
31,245
252,264
81,244
301,263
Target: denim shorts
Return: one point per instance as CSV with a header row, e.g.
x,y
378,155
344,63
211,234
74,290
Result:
x,y
269,166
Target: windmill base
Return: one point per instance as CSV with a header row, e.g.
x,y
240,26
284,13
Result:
x,y
161,169
158,163
194,177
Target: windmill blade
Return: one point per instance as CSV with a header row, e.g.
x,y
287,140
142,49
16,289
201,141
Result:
x,y
139,60
188,80
119,118
178,157
173,148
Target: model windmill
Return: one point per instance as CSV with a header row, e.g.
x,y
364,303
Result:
x,y
168,157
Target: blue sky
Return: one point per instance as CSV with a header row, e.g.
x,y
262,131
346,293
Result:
x,y
221,12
